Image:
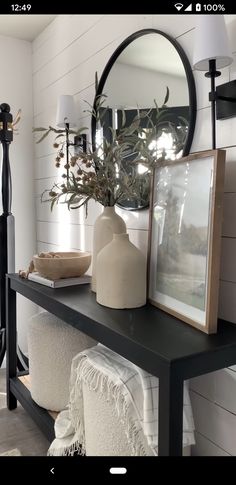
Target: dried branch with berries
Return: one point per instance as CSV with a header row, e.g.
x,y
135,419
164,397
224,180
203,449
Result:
x,y
101,174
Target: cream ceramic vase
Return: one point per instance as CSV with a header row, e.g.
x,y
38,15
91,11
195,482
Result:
x,y
121,274
108,223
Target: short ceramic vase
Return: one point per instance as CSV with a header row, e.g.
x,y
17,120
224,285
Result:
x,y
108,223
121,274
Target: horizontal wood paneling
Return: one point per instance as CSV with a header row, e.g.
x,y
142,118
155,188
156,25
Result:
x,y
80,236
47,33
84,47
230,170
227,301
215,423
64,233
228,260
205,385
205,447
168,24
62,35
218,387
202,139
229,222
225,389
45,247
60,212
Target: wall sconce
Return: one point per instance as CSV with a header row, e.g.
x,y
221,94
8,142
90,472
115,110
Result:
x,y
66,118
212,52
80,142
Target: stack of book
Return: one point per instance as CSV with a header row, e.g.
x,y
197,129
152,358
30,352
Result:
x,y
80,280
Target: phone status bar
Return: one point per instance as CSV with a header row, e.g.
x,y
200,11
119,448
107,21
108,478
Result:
x,y
120,8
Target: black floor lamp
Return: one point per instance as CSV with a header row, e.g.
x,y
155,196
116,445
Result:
x,y
211,53
7,227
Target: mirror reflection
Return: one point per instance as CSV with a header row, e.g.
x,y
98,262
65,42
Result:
x,y
145,70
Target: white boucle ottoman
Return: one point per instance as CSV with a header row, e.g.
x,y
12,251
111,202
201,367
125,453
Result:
x,y
52,344
104,432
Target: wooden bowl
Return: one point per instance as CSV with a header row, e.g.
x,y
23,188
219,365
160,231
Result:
x,y
64,265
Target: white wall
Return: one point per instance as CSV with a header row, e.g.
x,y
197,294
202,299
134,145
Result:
x,y
132,87
16,90
65,58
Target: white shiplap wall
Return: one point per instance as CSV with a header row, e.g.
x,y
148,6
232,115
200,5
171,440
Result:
x,y
65,58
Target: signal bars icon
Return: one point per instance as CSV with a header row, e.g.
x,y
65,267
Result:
x,y
189,8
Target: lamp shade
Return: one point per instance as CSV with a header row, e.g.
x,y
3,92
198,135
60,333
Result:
x,y
211,42
66,111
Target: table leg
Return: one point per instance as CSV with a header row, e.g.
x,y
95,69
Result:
x,y
11,342
170,415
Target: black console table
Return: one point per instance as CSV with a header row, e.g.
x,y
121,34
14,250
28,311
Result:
x,y
147,336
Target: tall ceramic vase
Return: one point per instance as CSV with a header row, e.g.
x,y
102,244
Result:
x,y
108,223
121,274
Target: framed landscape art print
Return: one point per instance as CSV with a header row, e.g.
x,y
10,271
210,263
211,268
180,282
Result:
x,y
185,236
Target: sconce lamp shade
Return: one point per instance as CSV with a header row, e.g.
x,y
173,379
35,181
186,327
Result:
x,y
211,42
66,111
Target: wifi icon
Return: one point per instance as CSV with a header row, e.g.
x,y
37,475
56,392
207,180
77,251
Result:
x,y
178,6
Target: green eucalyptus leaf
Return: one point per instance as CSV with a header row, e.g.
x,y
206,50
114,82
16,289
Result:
x,y
167,95
43,137
123,118
156,105
54,201
96,81
40,128
184,120
59,136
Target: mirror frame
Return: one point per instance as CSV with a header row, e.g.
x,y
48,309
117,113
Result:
x,y
190,82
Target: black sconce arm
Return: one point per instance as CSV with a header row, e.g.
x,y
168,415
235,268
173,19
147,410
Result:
x,y
213,96
80,141
225,97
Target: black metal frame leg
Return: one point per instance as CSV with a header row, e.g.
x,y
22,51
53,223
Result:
x,y
170,415
11,342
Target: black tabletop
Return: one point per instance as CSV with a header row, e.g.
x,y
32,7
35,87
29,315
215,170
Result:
x,y
147,336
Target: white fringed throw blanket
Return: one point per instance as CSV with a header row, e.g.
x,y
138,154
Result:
x,y
132,391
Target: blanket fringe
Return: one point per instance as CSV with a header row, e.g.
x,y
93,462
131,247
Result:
x,y
104,386
72,450
114,392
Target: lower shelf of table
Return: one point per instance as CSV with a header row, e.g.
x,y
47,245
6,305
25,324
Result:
x,y
19,386
25,379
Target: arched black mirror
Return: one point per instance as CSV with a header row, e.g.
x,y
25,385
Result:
x,y
139,72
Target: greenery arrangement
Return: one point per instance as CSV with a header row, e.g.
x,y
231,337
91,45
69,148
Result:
x,y
100,173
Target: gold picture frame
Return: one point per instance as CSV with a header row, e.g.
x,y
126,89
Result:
x,y
185,238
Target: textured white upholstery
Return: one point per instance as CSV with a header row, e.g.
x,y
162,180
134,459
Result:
x,y
104,431
52,344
